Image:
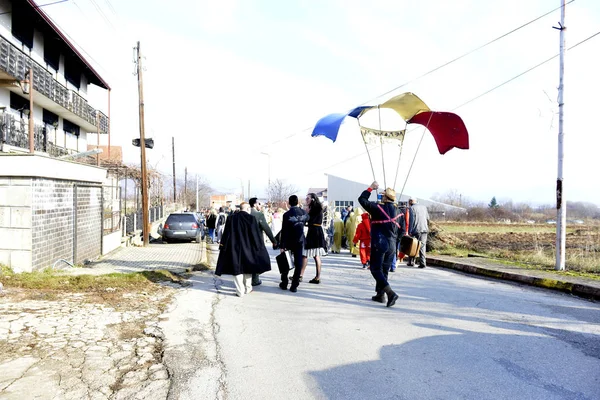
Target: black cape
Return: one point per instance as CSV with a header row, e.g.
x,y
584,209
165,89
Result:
x,y
242,249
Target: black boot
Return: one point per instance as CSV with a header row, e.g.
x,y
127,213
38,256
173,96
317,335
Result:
x,y
379,297
391,295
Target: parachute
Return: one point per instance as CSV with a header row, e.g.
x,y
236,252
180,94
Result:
x,y
448,129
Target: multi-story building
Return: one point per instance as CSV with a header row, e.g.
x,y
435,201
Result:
x,y
51,208
30,40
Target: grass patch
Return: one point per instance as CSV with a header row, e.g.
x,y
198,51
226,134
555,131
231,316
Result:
x,y
51,280
495,228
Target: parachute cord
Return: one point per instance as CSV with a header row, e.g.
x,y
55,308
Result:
x,y
367,148
381,146
415,157
399,156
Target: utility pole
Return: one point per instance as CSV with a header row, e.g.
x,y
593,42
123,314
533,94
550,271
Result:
x,y
174,180
144,178
197,192
561,210
185,198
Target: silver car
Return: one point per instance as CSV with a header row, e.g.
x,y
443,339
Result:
x,y
182,226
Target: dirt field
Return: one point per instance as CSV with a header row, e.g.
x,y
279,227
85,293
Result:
x,y
527,243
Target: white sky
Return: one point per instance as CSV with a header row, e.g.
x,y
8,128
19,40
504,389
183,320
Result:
x,y
229,78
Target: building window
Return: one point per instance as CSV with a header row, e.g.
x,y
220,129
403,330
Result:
x,y
18,103
70,127
338,205
52,53
50,118
73,72
22,25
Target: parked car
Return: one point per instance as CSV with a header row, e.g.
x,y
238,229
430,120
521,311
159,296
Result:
x,y
182,226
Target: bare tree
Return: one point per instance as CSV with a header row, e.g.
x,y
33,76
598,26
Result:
x,y
279,192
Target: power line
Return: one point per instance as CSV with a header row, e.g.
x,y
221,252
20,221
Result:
x,y
476,97
437,68
101,13
39,6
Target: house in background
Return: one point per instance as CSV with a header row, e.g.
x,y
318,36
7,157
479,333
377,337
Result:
x,y
51,207
320,192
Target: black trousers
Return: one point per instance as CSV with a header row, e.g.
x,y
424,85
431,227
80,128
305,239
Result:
x,y
297,257
382,256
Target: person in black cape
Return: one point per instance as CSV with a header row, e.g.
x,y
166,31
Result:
x,y
242,250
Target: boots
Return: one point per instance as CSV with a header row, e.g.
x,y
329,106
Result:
x,y
391,295
379,297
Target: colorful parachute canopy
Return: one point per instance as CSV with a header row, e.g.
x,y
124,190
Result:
x,y
448,129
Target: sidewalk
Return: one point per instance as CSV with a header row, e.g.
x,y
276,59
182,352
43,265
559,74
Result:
x,y
578,286
175,257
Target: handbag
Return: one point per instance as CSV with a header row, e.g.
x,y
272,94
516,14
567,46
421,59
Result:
x,y
284,262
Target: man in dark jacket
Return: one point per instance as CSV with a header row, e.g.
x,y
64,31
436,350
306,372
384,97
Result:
x,y
264,227
384,235
242,250
292,239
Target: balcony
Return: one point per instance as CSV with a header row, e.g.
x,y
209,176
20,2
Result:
x,y
49,93
15,133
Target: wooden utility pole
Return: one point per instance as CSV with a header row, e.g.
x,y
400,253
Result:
x,y
144,179
185,198
174,180
561,211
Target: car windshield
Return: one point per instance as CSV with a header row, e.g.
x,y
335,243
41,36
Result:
x,y
174,218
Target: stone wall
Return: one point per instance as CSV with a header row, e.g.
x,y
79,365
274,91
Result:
x,y
16,223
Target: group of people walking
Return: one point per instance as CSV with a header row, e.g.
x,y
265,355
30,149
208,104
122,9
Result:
x,y
375,238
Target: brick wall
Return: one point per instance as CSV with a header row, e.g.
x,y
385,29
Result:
x,y
53,222
52,210
89,223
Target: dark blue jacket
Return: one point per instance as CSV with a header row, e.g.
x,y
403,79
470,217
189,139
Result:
x,y
389,230
292,232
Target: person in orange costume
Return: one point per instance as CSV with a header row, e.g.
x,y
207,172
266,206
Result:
x,y
363,234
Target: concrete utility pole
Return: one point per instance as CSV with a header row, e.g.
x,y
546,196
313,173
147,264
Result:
x,y
185,198
144,177
561,210
174,180
197,192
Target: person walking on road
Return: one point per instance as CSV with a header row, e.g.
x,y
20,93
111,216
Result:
x,y
211,224
384,235
362,238
220,226
292,239
255,208
338,232
242,250
315,238
419,228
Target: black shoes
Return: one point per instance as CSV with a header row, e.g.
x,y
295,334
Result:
x,y
257,283
422,266
380,298
315,280
293,289
283,286
392,300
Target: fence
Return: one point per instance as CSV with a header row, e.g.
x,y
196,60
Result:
x,y
134,220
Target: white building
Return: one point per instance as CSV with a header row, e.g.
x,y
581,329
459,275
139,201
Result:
x,y
29,40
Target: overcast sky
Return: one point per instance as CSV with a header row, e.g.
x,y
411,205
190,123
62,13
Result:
x,y
232,79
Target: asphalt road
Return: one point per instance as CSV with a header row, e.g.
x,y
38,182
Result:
x,y
449,336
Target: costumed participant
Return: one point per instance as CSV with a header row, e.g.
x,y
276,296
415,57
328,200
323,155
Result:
x,y
351,225
384,235
338,232
242,250
363,238
315,239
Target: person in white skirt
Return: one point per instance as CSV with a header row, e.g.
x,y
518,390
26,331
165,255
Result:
x,y
314,245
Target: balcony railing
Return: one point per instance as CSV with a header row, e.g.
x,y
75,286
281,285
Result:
x,y
16,63
15,133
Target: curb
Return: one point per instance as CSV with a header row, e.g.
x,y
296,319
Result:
x,y
577,289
